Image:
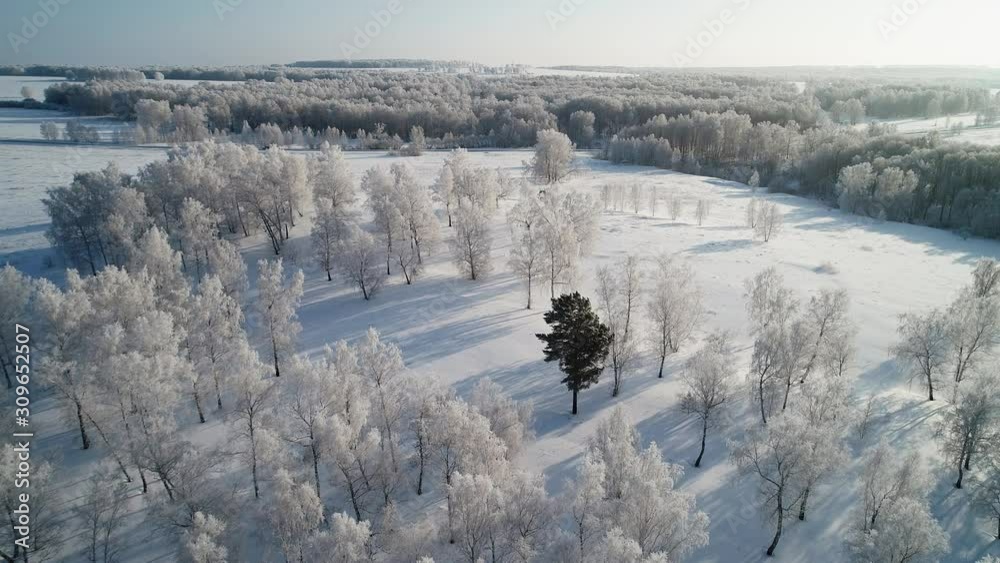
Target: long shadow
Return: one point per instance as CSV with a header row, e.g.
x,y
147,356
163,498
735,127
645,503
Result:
x,y
714,247
24,229
418,317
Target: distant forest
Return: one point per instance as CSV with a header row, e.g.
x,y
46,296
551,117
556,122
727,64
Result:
x,y
806,138
968,76
300,70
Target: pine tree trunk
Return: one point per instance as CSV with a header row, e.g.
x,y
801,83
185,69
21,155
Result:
x,y
575,393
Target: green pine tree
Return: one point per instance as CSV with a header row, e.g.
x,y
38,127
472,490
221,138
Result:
x,y
579,341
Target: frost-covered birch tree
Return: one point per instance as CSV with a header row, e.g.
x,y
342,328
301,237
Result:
x,y
618,295
673,308
360,263
922,348
553,156
472,244
277,304
707,378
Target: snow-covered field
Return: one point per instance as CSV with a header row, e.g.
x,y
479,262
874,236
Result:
x,y
461,332
17,123
10,86
984,136
542,71
943,125
28,170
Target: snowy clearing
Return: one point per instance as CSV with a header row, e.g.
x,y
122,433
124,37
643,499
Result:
x,y
944,125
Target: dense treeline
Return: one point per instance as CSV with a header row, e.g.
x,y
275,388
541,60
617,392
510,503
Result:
x,y
74,72
903,100
503,112
379,63
968,76
917,180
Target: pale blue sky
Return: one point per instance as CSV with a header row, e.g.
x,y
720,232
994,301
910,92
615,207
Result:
x,y
598,32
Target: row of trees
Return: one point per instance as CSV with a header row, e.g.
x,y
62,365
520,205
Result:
x,y
504,111
304,70
406,228
200,192
893,101
917,180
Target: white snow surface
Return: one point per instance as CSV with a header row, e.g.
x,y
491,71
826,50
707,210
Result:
x,y
461,331
943,125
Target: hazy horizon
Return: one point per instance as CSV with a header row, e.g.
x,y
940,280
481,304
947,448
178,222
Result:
x,y
640,33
